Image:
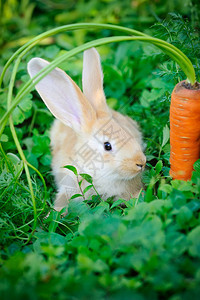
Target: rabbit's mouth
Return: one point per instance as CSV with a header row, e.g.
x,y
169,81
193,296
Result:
x,y
130,167
129,175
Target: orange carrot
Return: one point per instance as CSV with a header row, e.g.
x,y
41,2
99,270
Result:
x,y
184,129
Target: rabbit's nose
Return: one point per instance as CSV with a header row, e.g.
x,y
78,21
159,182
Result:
x,y
141,162
139,166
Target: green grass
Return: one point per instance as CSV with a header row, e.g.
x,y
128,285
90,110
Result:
x,y
148,250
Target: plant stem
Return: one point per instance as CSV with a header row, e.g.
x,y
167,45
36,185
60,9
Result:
x,y
87,26
21,153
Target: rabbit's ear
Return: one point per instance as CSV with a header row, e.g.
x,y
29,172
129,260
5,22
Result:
x,y
62,96
92,81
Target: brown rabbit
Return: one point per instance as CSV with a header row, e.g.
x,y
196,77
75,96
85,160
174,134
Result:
x,y
89,135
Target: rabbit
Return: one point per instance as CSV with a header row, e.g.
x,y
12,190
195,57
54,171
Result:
x,y
89,135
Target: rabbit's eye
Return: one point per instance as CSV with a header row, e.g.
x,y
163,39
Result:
x,y
107,146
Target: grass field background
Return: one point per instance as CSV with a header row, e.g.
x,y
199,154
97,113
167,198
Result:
x,y
151,248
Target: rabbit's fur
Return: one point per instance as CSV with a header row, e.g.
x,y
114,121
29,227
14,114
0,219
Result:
x,y
84,123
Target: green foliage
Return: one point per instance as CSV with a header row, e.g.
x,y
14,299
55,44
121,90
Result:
x,y
149,250
100,249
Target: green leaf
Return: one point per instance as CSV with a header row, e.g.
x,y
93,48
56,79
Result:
x,y
51,51
16,162
160,206
176,242
112,102
137,213
26,103
149,196
45,160
85,262
167,188
149,96
158,167
102,207
116,86
4,138
177,198
196,174
76,196
149,234
79,241
29,143
184,216
80,182
159,83
194,240
87,188
71,168
197,166
18,116
87,177
117,202
46,238
165,136
41,145
31,158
